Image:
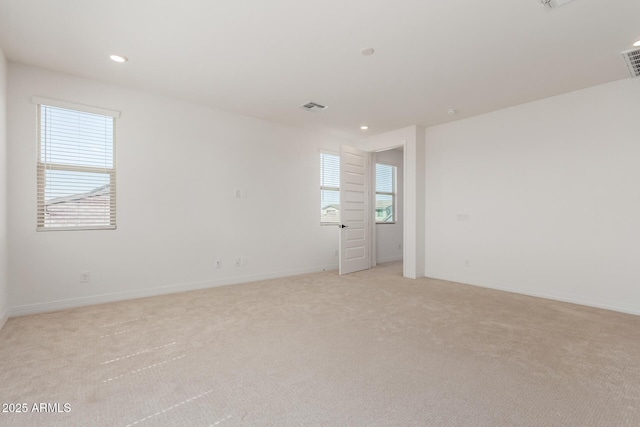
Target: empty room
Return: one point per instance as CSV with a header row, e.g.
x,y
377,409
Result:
x,y
330,213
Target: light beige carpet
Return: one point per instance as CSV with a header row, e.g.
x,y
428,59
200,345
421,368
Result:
x,y
368,349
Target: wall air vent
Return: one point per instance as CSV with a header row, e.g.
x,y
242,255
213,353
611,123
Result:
x,y
554,3
313,106
632,58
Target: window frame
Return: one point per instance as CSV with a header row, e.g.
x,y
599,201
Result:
x,y
43,166
393,194
329,188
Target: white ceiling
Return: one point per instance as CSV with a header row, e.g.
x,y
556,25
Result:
x,y
266,58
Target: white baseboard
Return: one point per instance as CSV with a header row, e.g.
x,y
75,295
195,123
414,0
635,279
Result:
x,y
150,292
389,259
613,306
4,316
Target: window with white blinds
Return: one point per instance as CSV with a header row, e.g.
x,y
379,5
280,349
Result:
x,y
329,188
76,169
385,193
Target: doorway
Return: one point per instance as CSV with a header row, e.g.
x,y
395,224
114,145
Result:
x,y
388,198
372,207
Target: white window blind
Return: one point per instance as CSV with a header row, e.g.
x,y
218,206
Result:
x,y
385,193
76,170
329,188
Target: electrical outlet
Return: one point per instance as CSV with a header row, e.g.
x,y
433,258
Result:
x,y
85,277
467,263
238,262
244,262
336,254
218,263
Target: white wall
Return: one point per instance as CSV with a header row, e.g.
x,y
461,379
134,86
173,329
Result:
x,y
552,190
178,166
389,236
414,204
3,192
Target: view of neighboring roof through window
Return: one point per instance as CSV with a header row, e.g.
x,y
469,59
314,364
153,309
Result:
x,y
76,170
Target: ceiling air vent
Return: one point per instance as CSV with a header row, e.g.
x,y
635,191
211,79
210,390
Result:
x,y
554,3
632,58
312,106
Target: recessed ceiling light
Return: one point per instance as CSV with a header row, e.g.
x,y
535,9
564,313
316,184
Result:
x,y
367,51
118,58
637,44
452,111
364,127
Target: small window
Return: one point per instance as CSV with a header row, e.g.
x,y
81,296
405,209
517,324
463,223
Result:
x,y
76,170
385,194
329,188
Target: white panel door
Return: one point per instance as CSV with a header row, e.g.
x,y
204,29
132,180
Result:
x,y
354,210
